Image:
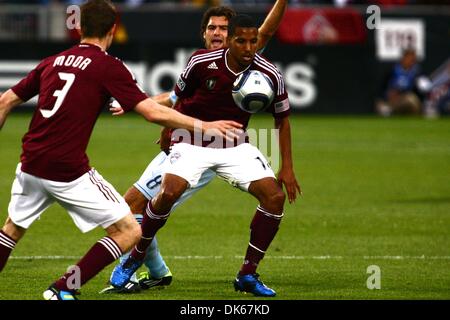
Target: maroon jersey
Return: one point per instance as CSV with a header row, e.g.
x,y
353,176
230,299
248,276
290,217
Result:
x,y
73,87
204,88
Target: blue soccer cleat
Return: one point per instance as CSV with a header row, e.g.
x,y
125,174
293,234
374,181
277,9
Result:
x,y
251,283
52,293
122,272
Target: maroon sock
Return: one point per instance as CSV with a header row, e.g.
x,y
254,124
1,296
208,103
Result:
x,y
151,223
263,228
99,256
6,246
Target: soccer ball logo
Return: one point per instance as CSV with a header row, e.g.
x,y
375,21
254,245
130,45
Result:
x,y
253,91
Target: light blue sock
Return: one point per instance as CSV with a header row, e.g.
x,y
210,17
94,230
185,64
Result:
x,y
154,261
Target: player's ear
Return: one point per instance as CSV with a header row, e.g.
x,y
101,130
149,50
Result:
x,y
113,29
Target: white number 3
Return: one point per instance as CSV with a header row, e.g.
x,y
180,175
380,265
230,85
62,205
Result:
x,y
60,94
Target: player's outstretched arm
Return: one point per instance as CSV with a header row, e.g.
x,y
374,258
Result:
x,y
8,100
271,23
168,117
286,175
164,99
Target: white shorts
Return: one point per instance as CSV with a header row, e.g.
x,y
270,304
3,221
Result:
x,y
239,165
149,183
90,200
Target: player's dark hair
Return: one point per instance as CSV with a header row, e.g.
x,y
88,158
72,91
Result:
x,y
97,18
240,21
220,11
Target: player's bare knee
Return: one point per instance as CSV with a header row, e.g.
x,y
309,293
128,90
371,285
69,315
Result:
x,y
279,198
136,200
130,236
274,202
126,232
169,196
135,232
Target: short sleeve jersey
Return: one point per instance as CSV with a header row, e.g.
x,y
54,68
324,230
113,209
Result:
x,y
205,86
73,87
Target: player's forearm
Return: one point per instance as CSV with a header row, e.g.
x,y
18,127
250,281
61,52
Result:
x,y
271,23
284,128
166,117
8,100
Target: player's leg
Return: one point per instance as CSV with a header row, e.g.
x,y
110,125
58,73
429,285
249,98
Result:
x,y
185,169
147,186
137,197
265,222
153,260
263,229
159,274
157,213
250,171
91,201
28,201
10,234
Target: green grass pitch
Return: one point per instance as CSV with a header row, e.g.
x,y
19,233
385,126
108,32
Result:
x,y
376,192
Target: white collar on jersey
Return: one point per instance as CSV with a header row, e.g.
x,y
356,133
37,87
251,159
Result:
x,y
87,44
226,64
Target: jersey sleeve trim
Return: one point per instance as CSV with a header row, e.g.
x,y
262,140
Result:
x,y
273,70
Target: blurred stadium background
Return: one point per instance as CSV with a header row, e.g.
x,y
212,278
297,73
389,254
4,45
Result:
x,y
377,191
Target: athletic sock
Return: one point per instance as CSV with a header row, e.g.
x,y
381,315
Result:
x,y
152,222
154,261
7,245
263,228
98,257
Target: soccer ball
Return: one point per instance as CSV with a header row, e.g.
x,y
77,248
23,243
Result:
x,y
252,91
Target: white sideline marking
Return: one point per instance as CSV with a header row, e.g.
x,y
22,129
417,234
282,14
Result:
x,y
325,257
422,257
44,257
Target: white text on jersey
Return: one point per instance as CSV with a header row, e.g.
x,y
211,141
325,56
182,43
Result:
x,y
79,61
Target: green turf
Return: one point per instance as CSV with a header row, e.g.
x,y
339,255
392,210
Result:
x,y
374,189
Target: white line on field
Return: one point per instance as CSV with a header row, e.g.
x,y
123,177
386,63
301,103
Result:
x,y
324,257
422,257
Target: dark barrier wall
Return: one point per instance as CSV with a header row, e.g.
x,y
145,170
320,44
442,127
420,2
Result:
x,y
324,79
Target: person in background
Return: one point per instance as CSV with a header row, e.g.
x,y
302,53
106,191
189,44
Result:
x,y
402,92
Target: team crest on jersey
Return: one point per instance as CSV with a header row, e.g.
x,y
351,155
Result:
x,y
210,83
174,156
181,84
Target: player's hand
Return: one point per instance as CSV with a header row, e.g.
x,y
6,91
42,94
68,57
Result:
x,y
164,140
287,178
230,130
115,108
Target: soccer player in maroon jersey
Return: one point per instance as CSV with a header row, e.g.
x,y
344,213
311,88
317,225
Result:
x,y
73,87
208,80
214,31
